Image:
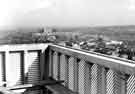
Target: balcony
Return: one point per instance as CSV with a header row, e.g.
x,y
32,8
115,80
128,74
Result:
x,y
63,70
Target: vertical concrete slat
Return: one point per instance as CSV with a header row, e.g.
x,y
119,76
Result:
x,y
33,75
110,82
33,68
55,66
3,67
123,84
96,79
26,61
71,73
41,65
81,78
50,63
22,68
58,66
103,86
66,70
113,82
6,62
62,68
131,84
87,78
44,63
26,66
75,75
99,79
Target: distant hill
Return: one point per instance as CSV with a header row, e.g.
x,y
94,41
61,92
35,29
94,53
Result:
x,y
114,32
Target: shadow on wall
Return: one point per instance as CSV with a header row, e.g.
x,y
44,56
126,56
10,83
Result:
x,y
33,74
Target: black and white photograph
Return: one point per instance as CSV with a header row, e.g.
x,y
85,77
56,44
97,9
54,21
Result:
x,y
67,46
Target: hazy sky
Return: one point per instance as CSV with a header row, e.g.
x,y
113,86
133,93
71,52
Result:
x,y
66,12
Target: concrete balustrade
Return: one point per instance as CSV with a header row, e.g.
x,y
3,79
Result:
x,y
93,73
83,72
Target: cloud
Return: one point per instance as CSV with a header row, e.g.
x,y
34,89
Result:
x,y
66,12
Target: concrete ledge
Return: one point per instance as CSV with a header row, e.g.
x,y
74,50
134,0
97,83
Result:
x,y
21,47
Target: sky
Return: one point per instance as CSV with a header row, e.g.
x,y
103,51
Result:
x,y
21,13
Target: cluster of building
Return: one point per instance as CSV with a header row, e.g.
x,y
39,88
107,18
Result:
x,y
98,44
109,47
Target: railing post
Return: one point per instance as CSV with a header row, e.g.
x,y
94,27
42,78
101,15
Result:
x,y
3,67
22,69
26,66
44,64
25,61
45,67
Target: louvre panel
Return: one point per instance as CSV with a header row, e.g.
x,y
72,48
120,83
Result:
x,y
33,73
55,65
113,82
76,74
13,69
81,76
71,73
87,78
117,83
110,82
62,67
96,79
131,85
66,59
33,67
103,80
